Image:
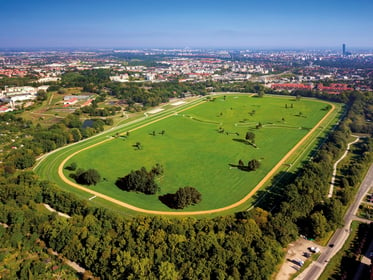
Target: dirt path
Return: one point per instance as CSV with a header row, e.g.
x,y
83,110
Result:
x,y
54,210
330,194
189,213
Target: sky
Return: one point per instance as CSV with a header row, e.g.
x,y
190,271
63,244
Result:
x,y
185,24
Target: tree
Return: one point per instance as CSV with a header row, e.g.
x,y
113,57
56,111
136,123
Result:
x,y
77,135
89,177
72,166
253,164
141,180
138,146
157,169
319,225
187,196
41,95
22,158
167,271
250,136
61,91
259,125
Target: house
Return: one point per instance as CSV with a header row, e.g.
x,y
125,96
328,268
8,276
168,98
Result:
x,y
71,101
4,109
87,103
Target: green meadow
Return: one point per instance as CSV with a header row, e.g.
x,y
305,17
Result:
x,y
195,152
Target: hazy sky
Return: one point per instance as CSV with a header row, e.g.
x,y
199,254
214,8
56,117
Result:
x,y
177,23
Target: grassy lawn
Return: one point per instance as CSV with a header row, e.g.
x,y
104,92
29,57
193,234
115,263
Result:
x,y
194,153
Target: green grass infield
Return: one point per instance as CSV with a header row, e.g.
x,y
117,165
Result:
x,y
199,148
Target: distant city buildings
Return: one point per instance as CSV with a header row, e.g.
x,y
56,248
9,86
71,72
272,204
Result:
x,y
320,70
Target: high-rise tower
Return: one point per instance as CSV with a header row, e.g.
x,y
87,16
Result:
x,y
344,49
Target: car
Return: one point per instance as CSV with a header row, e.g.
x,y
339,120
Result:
x,y
331,245
299,262
314,249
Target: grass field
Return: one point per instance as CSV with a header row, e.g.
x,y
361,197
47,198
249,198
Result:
x,y
192,150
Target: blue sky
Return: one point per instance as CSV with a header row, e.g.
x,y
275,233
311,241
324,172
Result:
x,y
168,24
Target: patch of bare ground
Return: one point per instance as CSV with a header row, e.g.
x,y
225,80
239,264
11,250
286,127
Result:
x,y
297,252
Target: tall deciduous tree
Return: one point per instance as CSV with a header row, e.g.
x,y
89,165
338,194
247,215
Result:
x,y
253,164
89,177
250,136
187,196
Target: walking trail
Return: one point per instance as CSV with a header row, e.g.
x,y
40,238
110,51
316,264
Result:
x,y
330,194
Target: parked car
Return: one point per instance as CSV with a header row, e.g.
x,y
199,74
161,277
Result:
x,y
314,249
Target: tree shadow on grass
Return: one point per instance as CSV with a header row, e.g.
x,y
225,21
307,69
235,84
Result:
x,y
244,142
240,167
168,200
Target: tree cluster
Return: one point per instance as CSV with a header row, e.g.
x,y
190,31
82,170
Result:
x,y
125,247
141,180
252,165
187,196
86,177
183,198
34,140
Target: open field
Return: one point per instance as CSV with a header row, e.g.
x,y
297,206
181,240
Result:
x,y
194,153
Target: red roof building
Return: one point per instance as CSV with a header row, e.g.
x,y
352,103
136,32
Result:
x,y
292,86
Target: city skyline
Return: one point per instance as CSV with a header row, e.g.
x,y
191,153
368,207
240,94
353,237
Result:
x,y
195,24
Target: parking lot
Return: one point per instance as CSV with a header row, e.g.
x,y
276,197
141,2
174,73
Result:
x,y
297,252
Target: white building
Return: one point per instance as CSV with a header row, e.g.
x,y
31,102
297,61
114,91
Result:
x,y
123,78
150,76
22,97
48,79
10,91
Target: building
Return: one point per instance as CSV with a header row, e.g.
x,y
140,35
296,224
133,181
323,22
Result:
x,y
291,86
49,79
123,78
79,97
4,109
344,49
10,91
70,102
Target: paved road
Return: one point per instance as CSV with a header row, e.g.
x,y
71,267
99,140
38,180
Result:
x,y
338,239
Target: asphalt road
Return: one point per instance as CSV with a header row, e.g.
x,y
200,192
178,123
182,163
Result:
x,y
340,236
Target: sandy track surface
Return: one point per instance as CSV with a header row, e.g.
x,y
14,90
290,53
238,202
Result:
x,y
189,213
